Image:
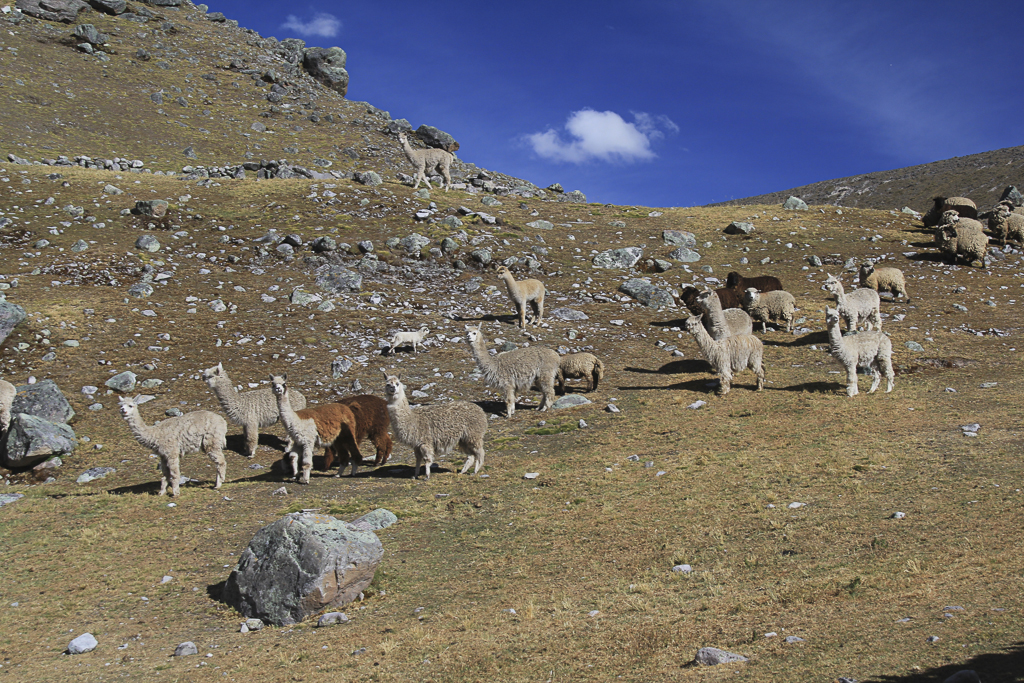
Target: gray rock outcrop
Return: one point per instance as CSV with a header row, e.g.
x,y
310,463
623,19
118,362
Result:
x,y
114,7
679,238
43,399
739,228
300,565
619,258
65,11
433,137
685,255
337,279
712,656
11,315
327,65
795,204
647,294
31,440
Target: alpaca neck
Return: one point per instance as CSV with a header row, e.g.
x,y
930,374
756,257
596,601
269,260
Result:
x,y
480,355
142,432
409,151
715,316
226,395
704,341
510,283
289,418
401,416
839,292
835,337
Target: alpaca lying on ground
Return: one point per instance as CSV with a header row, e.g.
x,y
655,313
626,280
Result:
x,y
961,205
1006,224
723,323
961,237
403,338
883,280
865,349
522,293
733,354
860,305
516,370
7,394
429,159
329,425
762,283
372,422
177,436
776,306
436,429
253,410
579,366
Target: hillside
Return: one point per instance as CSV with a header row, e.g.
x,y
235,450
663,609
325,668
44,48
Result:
x,y
982,177
821,536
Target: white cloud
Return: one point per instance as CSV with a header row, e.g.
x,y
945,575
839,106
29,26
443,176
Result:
x,y
602,135
322,25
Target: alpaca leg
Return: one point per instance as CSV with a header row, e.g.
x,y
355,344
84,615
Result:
x,y
418,451
886,363
470,459
547,389
522,315
217,456
252,439
479,458
510,401
540,310
758,369
851,380
724,383
348,442
876,377
447,177
293,461
307,464
165,476
428,458
174,467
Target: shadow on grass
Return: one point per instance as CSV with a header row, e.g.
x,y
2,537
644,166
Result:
x,y
677,367
820,337
813,387
1006,666
396,471
236,442
216,591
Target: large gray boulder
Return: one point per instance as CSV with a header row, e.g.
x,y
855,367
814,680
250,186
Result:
x,y
156,208
300,565
647,294
327,65
43,399
1012,194
31,440
679,238
795,204
109,6
739,228
90,34
712,656
337,279
65,11
11,315
414,243
684,254
619,258
433,137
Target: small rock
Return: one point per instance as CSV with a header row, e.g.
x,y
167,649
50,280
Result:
x,y
531,475
794,639
711,656
280,492
697,404
82,644
682,569
570,401
94,473
612,408
899,515
254,624
332,618
964,676
185,649
932,639
739,228
914,346
794,505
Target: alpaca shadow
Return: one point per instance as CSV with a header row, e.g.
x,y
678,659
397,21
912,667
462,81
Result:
x,y
236,442
498,407
680,323
510,318
700,386
930,257
399,471
811,387
153,487
820,337
1004,665
687,366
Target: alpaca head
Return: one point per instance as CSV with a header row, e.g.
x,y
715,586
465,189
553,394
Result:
x,y
502,271
402,139
474,333
832,284
127,405
278,384
831,317
393,387
424,331
689,299
732,280
704,299
751,296
693,322
867,269
210,374
950,216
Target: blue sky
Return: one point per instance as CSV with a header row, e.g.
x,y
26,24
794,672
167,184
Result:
x,y
679,103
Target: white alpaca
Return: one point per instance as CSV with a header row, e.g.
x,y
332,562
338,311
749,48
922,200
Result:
x,y
331,425
775,306
7,394
522,293
517,370
732,354
177,436
723,323
860,305
253,410
864,349
403,338
437,429
429,159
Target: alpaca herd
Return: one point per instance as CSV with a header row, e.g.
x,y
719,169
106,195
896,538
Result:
x,y
722,326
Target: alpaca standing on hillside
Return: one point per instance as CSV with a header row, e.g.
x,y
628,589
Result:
x,y
523,293
723,323
177,436
330,425
516,370
732,354
436,429
253,410
865,349
429,159
372,422
860,305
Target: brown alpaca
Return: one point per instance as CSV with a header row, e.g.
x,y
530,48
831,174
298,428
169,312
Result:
x,y
330,425
372,422
730,298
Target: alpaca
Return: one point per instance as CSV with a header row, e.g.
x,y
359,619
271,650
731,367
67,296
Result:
x,y
252,409
372,423
733,354
7,394
857,306
177,436
865,349
579,366
428,159
403,338
522,293
331,424
762,283
437,429
728,297
775,306
516,370
883,280
721,324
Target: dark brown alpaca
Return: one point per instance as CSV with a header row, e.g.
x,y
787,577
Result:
x,y
371,422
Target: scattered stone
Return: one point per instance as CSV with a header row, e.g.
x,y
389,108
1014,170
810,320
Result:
x,y
44,400
697,404
123,382
82,644
186,649
618,258
679,238
712,656
541,224
154,208
253,624
327,65
814,261
332,618
531,475
932,639
739,228
682,569
7,498
433,137
794,639
368,178
94,473
914,346
647,294
795,204
899,515
375,520
301,564
338,280
31,440
339,366
79,246
11,315
795,505
567,314
612,408
570,401
684,255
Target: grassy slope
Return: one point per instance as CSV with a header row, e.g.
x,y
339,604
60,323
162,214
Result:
x,y
838,572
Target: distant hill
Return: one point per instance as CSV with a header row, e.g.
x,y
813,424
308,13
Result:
x,y
982,177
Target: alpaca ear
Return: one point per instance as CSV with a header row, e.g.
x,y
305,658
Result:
x,y
220,367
